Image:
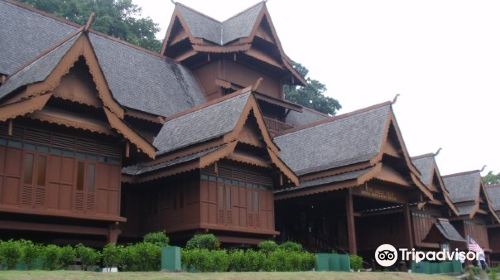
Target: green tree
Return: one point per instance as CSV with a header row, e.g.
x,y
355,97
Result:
x,y
118,18
312,94
491,178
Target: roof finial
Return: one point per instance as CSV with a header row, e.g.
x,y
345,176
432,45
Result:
x,y
437,152
395,99
482,169
173,2
89,22
257,84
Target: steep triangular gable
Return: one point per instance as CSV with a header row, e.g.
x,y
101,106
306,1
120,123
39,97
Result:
x,y
265,25
484,195
252,108
177,31
397,146
80,48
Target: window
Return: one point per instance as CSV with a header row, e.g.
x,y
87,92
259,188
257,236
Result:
x,y
90,178
42,170
28,169
220,197
79,176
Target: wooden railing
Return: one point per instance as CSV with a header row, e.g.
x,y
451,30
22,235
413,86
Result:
x,y
275,126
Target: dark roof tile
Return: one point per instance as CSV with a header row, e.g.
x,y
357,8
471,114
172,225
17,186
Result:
x,y
463,187
201,125
339,141
221,33
493,193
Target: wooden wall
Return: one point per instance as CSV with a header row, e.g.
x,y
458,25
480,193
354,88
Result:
x,y
237,73
494,238
375,230
237,198
477,230
422,222
49,172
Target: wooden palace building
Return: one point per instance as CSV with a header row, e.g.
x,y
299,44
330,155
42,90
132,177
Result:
x,y
102,141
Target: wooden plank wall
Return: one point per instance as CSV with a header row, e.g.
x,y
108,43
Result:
x,y
477,230
46,172
422,223
237,198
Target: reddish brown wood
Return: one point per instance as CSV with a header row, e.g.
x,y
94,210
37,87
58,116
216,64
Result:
x,y
351,228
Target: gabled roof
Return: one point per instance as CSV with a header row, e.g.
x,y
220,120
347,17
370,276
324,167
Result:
x,y
138,79
201,125
336,141
25,34
444,229
44,74
493,193
427,166
466,189
208,133
463,187
39,69
220,33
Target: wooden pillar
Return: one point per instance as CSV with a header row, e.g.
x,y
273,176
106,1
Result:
x,y
113,233
408,226
351,227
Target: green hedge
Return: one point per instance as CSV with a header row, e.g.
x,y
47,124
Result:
x,y
203,260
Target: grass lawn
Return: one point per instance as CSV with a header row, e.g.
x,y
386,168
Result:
x,y
73,275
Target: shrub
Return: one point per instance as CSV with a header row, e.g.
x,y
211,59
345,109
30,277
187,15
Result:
x,y
113,255
356,262
158,238
88,256
203,241
205,260
237,260
67,256
268,246
30,252
291,246
143,256
51,256
10,252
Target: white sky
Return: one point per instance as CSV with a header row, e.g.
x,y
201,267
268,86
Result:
x,y
442,56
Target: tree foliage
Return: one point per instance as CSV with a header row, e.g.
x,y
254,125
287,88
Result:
x,y
118,18
312,94
491,178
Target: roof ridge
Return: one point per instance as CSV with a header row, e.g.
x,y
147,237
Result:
x,y
198,12
208,104
423,156
338,117
245,10
461,173
46,52
98,33
43,13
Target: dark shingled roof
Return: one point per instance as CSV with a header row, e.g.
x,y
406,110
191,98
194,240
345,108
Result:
x,y
24,34
221,33
140,169
201,125
327,180
448,230
425,165
493,193
463,187
343,140
137,78
307,116
39,69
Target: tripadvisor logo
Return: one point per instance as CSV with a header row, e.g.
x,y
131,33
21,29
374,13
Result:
x,y
387,255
